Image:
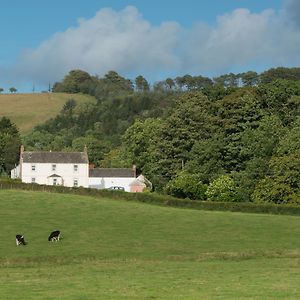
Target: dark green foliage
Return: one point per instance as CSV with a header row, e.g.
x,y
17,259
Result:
x,y
186,185
10,143
73,82
243,127
250,78
280,73
12,89
141,84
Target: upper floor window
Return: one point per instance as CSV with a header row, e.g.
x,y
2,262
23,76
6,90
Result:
x,y
53,167
75,168
32,167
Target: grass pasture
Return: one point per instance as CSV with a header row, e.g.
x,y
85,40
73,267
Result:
x,y
125,250
29,110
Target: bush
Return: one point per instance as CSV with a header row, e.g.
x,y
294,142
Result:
x,y
186,186
222,189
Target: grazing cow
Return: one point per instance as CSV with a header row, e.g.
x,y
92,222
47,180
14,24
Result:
x,y
20,240
54,236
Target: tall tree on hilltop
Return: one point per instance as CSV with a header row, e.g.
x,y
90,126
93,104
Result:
x,y
141,84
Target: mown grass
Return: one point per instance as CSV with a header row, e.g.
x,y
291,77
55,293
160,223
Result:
x,y
125,250
29,110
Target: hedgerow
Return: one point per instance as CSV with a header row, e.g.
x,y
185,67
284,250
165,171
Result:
x,y
158,199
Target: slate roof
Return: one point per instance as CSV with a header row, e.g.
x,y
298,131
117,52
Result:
x,y
112,172
55,157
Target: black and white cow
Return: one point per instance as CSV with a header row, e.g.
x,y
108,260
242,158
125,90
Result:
x,y
20,240
54,236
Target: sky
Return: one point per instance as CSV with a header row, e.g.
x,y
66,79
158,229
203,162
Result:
x,y
42,41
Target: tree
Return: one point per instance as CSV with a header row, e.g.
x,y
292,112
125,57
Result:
x,y
170,83
1,90
95,147
206,158
72,82
186,185
258,145
10,143
138,142
249,78
282,98
282,185
227,80
141,84
188,122
113,85
222,189
13,90
280,73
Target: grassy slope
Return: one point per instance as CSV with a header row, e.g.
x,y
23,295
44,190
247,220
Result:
x,y
29,110
124,250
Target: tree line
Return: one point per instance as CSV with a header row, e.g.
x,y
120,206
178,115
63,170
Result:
x,y
230,138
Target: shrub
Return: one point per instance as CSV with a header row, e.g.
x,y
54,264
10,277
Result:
x,y
222,189
186,186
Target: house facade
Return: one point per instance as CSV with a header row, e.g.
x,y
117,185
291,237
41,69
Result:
x,y
53,168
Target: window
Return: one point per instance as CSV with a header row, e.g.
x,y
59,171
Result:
x,y
75,182
53,167
54,181
32,167
75,168
32,180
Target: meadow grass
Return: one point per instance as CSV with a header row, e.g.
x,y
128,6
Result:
x,y
29,110
126,250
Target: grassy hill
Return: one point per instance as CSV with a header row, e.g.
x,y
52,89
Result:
x,y
124,250
29,110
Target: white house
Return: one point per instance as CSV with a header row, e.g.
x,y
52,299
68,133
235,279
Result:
x,y
72,169
53,168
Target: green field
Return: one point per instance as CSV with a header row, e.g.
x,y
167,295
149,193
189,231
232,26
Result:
x,y
125,250
29,110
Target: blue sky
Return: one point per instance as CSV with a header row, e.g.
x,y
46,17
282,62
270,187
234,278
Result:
x,y
42,41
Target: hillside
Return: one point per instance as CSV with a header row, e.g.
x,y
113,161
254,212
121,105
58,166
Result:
x,y
124,250
29,110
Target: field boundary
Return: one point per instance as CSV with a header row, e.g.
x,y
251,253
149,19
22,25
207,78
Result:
x,y
158,199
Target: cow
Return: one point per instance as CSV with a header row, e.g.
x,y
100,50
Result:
x,y
54,236
20,240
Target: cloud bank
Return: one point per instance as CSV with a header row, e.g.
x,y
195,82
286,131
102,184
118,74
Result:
x,y
127,43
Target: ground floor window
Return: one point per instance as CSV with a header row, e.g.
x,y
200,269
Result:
x,y
32,180
75,182
54,181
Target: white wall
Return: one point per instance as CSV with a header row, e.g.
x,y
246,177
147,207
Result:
x,y
107,182
66,171
15,173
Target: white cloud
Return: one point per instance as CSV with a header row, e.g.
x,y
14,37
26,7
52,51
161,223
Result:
x,y
124,41
111,40
237,39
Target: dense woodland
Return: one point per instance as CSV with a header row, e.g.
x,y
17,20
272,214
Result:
x,y
231,138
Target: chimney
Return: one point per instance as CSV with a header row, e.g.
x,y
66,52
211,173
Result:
x,y
134,170
21,159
